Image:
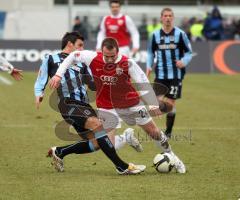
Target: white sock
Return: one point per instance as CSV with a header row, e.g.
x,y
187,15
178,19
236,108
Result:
x,y
162,143
120,141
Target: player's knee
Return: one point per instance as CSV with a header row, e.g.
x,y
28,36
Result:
x,y
173,112
93,145
93,123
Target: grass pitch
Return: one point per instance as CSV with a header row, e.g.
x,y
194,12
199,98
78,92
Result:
x,y
207,138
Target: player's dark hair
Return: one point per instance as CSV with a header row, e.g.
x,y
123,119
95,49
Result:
x,y
71,37
115,1
166,9
110,43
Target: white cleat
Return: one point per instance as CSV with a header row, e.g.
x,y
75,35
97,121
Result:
x,y
132,140
56,161
179,165
132,169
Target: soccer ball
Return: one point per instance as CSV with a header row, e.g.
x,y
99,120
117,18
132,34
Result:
x,y
163,162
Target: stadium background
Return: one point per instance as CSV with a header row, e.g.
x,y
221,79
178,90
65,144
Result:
x,y
207,127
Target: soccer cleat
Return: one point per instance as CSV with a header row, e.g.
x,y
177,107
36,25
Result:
x,y
132,169
132,140
56,161
179,165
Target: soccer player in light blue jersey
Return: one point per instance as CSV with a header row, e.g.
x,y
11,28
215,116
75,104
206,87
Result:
x,y
172,49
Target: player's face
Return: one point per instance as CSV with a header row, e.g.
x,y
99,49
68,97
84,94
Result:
x,y
78,45
110,56
167,18
115,8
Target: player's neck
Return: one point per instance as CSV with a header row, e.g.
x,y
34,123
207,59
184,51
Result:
x,y
67,51
167,29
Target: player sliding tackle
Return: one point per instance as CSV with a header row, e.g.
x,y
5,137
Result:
x,y
116,95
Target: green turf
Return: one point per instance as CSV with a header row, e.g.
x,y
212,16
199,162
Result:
x,y
207,139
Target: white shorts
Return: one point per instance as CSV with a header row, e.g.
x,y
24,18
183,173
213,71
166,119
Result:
x,y
112,118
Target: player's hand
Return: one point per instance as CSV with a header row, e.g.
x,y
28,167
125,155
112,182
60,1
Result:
x,y
38,101
154,111
16,74
55,82
179,64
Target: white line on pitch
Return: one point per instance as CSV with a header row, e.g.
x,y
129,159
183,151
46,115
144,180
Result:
x,y
5,80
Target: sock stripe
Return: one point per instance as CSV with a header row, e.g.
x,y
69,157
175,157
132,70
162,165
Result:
x,y
91,146
100,134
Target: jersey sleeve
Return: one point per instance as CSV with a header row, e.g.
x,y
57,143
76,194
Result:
x,y
187,50
134,32
75,57
42,78
142,83
5,65
101,34
151,51
87,78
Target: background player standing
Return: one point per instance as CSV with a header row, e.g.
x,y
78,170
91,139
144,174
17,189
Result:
x,y
173,52
122,28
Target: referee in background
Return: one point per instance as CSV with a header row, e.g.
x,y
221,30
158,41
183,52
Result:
x,y
173,52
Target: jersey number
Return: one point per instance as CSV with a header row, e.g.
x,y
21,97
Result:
x,y
174,90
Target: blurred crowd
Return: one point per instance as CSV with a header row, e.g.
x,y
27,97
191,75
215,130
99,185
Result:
x,y
212,27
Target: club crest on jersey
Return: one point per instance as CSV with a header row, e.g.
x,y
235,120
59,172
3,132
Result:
x,y
120,22
171,38
119,71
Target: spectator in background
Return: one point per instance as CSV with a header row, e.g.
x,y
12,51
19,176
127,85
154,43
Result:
x,y
143,28
121,27
229,29
80,27
237,34
156,25
185,26
196,30
213,26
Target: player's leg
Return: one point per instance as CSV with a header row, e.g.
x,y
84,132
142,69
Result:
x,y
170,118
144,120
82,115
161,139
111,121
175,91
167,92
107,147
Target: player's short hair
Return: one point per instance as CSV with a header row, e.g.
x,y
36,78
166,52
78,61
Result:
x,y
71,37
110,43
115,1
166,9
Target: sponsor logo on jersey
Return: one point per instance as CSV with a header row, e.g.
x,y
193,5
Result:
x,y
108,80
113,28
120,22
167,46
